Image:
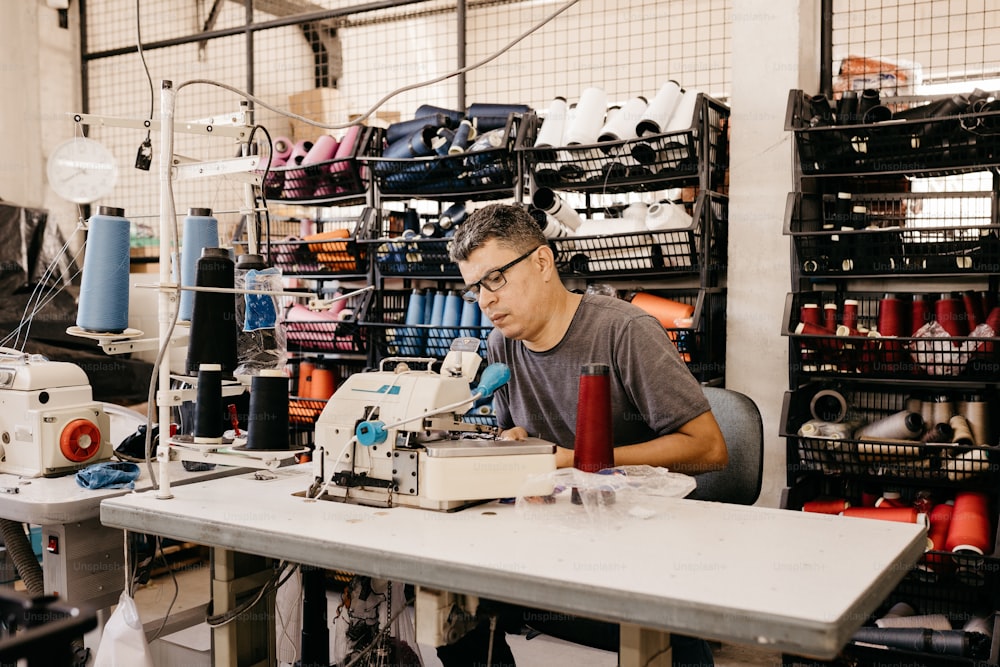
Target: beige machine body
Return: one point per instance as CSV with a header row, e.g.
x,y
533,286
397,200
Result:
x,y
49,423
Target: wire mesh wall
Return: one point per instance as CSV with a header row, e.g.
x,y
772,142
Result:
x,y
331,61
916,47
914,44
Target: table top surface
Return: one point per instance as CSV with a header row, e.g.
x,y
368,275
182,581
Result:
x,y
56,500
791,581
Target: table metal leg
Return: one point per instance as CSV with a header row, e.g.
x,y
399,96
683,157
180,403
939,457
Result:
x,y
248,641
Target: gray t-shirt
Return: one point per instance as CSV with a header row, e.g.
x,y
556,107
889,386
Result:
x,y
652,391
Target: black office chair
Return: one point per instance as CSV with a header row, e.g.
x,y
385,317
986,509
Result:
x,y
740,481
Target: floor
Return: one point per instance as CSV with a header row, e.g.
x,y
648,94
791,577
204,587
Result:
x,y
190,648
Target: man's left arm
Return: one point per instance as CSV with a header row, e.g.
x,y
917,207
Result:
x,y
697,446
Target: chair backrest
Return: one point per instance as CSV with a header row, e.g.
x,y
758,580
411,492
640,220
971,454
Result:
x,y
739,418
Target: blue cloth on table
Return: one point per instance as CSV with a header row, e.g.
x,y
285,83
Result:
x,y
108,475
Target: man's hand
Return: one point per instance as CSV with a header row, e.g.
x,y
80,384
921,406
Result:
x,y
564,457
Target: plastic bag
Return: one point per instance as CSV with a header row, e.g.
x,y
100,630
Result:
x,y
123,642
604,499
261,341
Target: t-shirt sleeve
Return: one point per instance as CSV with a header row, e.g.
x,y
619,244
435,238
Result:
x,y
657,380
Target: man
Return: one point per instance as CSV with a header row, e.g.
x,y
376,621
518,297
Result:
x,y
544,333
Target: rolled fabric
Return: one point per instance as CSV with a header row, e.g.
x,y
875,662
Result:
x,y
900,514
333,253
968,464
323,149
666,311
969,530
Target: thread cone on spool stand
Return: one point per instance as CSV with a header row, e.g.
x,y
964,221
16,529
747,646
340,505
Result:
x,y
267,422
201,231
104,289
208,425
214,327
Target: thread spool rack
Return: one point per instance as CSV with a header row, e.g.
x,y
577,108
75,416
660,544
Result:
x,y
899,220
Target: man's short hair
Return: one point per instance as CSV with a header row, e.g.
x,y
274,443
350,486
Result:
x,y
510,224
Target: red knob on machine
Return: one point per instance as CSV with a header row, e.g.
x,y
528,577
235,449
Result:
x,y
80,440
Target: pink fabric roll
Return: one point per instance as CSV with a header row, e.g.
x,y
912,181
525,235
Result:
x,y
346,148
322,150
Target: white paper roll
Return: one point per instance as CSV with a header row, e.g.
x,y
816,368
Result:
x,y
554,229
622,123
588,118
683,116
656,116
550,202
634,215
553,124
667,215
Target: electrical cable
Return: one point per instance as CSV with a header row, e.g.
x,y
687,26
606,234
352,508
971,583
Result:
x,y
402,89
177,589
144,158
263,193
284,626
274,582
382,632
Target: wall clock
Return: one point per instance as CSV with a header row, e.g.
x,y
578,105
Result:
x,y
82,170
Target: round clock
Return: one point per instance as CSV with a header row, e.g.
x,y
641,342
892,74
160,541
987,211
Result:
x,y
82,170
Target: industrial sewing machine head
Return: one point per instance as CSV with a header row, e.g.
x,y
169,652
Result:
x,y
397,436
49,423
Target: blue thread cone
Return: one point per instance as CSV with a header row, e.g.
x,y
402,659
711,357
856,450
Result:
x,y
201,231
104,286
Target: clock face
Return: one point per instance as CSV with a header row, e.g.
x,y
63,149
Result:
x,y
82,170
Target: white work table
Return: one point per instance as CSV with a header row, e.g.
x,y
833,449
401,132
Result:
x,y
82,561
790,581
56,500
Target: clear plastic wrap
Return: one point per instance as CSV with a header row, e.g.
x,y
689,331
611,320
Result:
x,y
603,499
261,342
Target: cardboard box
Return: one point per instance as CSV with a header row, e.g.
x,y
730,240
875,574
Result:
x,y
381,119
319,104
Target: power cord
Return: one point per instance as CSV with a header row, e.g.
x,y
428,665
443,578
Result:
x,y
421,84
144,158
271,585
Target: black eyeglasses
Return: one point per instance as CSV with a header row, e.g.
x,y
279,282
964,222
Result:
x,y
493,280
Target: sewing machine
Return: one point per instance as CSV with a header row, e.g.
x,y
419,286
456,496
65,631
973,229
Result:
x,y
49,423
397,436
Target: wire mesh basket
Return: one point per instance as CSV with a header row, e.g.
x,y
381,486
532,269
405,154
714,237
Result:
x,y
488,173
934,135
331,330
647,163
337,250
826,435
894,233
652,252
397,330
309,396
341,180
947,336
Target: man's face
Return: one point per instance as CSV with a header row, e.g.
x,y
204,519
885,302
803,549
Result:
x,y
511,305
